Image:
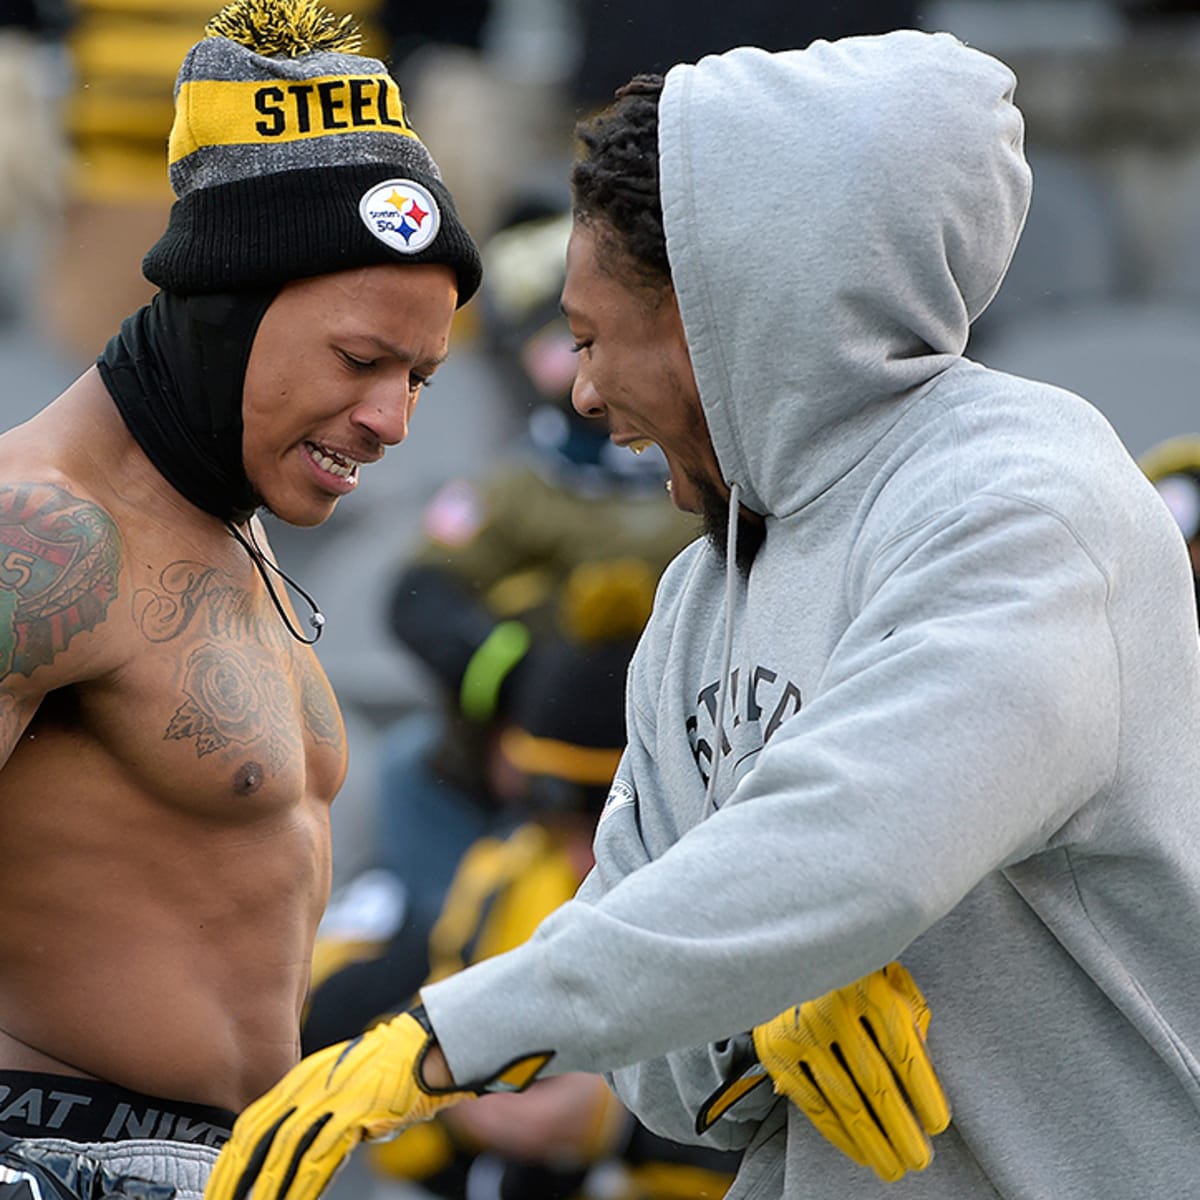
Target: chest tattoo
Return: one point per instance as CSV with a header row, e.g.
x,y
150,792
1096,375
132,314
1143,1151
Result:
x,y
191,590
237,684
230,698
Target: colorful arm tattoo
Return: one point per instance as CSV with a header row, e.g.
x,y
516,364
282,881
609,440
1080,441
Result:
x,y
60,561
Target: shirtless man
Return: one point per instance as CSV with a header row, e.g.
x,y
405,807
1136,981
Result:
x,y
169,745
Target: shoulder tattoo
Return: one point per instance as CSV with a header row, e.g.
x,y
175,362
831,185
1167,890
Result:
x,y
60,561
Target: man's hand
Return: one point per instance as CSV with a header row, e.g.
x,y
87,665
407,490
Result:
x,y
289,1142
855,1063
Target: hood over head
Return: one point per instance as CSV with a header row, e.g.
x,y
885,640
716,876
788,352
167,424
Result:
x,y
835,218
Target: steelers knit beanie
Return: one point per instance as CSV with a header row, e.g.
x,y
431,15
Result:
x,y
291,155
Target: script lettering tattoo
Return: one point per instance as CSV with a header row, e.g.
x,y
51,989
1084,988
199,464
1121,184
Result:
x,y
60,561
188,588
231,699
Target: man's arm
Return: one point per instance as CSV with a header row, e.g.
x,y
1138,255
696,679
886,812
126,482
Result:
x,y
956,725
60,568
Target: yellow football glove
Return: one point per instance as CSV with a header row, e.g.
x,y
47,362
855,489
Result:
x,y
855,1063
290,1141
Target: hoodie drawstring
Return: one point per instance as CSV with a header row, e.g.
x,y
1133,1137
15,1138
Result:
x,y
262,563
727,646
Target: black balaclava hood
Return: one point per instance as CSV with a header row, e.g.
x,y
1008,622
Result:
x,y
175,371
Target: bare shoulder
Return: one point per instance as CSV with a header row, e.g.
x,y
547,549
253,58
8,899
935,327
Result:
x,y
60,563
60,569
61,559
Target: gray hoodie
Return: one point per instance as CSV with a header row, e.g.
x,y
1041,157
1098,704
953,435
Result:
x,y
960,724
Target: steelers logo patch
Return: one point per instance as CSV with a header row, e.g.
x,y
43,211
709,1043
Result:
x,y
402,214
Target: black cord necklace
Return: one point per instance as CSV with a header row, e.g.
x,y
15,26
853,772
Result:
x,y
262,562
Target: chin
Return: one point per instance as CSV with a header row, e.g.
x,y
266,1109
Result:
x,y
686,495
302,516
311,519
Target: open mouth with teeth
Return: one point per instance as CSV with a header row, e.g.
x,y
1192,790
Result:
x,y
331,461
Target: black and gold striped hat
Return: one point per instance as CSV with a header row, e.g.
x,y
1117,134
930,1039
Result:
x,y
292,155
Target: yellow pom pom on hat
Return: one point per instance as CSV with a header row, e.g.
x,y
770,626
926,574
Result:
x,y
292,155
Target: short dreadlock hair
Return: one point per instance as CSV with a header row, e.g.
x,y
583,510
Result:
x,y
615,183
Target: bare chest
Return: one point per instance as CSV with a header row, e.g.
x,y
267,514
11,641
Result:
x,y
215,702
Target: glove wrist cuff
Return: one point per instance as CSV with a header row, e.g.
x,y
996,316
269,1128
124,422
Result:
x,y
419,1015
514,1076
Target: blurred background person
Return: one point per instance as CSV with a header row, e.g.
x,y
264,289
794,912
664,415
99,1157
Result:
x,y
493,77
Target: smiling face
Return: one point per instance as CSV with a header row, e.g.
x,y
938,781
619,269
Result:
x,y
634,367
333,377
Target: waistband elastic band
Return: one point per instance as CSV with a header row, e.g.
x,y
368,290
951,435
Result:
x,y
90,1110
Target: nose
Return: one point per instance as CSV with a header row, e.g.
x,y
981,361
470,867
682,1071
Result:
x,y
386,414
584,397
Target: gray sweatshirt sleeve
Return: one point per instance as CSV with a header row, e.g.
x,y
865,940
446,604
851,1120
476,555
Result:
x,y
667,1092
968,712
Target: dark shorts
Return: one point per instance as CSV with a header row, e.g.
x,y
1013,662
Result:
x,y
33,1105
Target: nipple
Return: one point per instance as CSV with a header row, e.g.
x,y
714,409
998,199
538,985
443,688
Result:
x,y
248,779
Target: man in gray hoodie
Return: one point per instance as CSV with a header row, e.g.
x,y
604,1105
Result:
x,y
932,695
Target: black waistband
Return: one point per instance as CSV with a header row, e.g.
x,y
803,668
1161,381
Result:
x,y
33,1105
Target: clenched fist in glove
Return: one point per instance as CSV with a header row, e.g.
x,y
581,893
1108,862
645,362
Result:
x,y
855,1063
290,1141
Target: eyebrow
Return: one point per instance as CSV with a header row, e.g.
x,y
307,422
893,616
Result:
x,y
402,354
